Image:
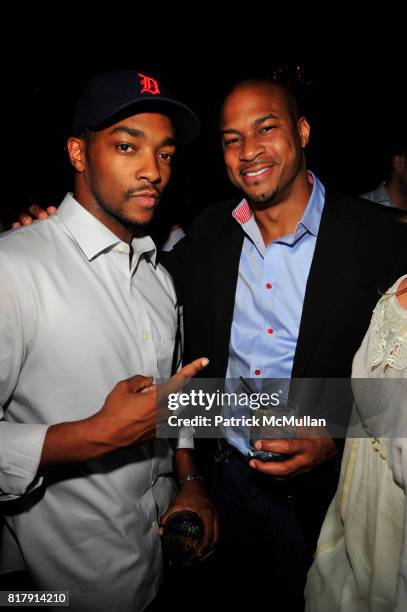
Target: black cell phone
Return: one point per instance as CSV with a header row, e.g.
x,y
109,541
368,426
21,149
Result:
x,y
266,456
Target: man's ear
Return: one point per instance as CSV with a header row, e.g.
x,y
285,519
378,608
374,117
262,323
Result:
x,y
77,153
304,131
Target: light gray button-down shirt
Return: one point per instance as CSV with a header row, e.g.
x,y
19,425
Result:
x,y
379,195
75,319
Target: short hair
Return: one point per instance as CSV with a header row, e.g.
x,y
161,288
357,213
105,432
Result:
x,y
290,98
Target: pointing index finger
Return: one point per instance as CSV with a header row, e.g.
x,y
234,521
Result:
x,y
180,379
193,368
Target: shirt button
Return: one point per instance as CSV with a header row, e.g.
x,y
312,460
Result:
x,y
257,372
145,336
269,285
153,524
269,331
120,248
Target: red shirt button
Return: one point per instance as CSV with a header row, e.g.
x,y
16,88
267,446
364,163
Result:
x,y
257,372
269,285
270,331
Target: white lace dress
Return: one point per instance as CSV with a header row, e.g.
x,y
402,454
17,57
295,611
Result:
x,y
361,558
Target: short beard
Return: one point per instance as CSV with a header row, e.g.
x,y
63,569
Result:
x,y
264,200
139,228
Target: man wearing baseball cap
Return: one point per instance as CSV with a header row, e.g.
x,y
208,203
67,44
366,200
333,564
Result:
x,y
84,306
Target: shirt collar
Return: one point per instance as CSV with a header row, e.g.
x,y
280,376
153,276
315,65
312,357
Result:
x,y
382,195
311,218
94,238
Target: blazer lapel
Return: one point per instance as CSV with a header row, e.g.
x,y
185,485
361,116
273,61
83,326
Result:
x,y
332,257
225,266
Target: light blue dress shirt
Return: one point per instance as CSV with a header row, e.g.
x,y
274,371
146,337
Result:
x,y
269,297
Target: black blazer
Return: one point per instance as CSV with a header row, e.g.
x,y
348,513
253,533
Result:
x,y
361,250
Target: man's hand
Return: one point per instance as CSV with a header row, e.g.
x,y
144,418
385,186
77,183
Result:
x,y
193,496
129,413
127,417
34,212
306,453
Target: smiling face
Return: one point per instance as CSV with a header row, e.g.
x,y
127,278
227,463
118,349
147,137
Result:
x,y
123,169
263,142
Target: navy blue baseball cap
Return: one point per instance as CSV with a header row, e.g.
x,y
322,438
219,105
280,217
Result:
x,y
112,96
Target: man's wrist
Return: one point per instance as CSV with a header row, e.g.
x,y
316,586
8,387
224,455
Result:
x,y
190,477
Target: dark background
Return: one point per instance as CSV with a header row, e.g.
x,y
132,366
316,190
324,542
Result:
x,y
356,107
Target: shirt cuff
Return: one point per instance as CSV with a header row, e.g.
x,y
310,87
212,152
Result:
x,y
20,453
185,439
